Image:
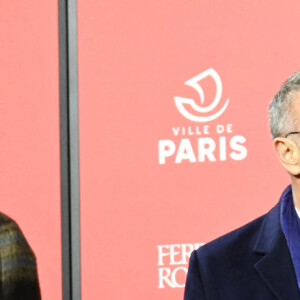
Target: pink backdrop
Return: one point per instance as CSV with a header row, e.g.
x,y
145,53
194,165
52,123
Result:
x,y
29,130
141,218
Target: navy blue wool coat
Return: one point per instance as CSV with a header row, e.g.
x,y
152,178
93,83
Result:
x,y
252,262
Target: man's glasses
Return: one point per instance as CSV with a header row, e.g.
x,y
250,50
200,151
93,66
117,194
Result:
x,y
293,132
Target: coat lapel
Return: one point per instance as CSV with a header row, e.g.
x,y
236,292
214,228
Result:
x,y
275,267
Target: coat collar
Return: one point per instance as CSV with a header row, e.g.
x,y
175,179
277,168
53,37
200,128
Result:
x,y
275,265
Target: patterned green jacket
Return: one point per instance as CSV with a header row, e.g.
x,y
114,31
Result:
x,y
18,271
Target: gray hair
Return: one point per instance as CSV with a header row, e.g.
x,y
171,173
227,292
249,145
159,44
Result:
x,y
280,114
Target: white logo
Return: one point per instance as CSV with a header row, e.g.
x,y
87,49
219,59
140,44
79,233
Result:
x,y
202,142
194,83
173,264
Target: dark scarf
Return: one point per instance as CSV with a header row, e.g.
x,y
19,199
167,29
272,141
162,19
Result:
x,y
290,224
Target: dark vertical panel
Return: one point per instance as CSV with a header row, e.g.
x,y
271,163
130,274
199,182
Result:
x,y
69,150
74,149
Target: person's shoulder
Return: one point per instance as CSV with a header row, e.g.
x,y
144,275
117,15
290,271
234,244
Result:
x,y
9,225
19,278
238,240
12,237
5,219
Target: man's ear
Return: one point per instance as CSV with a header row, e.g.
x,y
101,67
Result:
x,y
288,154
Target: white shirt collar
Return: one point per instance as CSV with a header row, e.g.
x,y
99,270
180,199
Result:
x,y
298,212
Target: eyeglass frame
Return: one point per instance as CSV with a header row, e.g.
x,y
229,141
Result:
x,y
293,132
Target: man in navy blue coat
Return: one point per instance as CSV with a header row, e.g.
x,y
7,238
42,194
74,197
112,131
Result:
x,y
260,260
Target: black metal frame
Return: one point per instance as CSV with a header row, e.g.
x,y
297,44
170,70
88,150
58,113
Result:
x,y
69,153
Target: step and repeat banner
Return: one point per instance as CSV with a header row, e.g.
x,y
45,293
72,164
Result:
x,y
175,148
29,132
